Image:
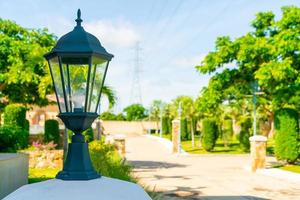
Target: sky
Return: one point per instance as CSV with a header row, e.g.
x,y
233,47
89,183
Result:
x,y
170,36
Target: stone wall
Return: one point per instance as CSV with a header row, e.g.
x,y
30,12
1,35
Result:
x,y
125,127
45,159
13,172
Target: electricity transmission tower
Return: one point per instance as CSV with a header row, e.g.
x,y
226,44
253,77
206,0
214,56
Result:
x,y
135,94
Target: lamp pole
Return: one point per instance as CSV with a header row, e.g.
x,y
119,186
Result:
x,y
78,65
254,107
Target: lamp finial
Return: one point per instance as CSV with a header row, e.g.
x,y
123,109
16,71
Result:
x,y
78,20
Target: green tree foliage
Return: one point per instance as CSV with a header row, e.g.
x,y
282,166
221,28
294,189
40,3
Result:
x,y
89,134
51,129
287,145
243,136
24,75
135,112
269,55
156,112
107,116
210,133
188,112
120,117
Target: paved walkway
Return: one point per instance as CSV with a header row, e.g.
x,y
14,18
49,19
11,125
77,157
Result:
x,y
210,177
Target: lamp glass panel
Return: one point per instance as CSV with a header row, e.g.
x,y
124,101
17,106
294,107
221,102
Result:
x,y
75,71
98,69
56,77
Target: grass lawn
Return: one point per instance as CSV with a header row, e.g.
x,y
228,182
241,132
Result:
x,y
168,137
291,168
38,175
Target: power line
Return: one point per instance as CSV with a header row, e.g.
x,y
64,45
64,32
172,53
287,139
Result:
x,y
167,22
204,28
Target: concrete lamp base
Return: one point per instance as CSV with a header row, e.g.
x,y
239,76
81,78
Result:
x,y
101,188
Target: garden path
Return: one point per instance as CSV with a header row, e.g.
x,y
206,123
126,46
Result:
x,y
207,177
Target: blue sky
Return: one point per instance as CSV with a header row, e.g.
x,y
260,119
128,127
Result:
x,y
174,35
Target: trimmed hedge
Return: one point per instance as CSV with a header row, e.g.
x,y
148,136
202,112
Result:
x,y
51,131
89,135
165,126
15,123
210,134
227,131
15,115
243,136
13,138
184,129
287,135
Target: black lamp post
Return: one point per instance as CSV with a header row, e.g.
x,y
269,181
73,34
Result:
x,y
78,65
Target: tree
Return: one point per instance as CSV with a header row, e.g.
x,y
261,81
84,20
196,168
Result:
x,y
107,116
135,112
188,112
156,109
269,55
24,75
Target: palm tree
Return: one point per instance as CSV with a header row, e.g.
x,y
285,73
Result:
x,y
110,94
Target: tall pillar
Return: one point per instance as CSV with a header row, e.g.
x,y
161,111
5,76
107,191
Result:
x,y
258,152
176,135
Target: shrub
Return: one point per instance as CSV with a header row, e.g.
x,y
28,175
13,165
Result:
x,y
287,135
243,136
165,126
108,162
89,135
15,115
13,138
184,129
210,134
51,131
227,131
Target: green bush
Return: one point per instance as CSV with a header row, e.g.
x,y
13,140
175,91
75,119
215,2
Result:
x,y
184,129
13,138
89,135
243,136
287,135
227,131
15,115
15,123
210,134
51,131
108,162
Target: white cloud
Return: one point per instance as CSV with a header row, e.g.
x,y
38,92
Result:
x,y
114,33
